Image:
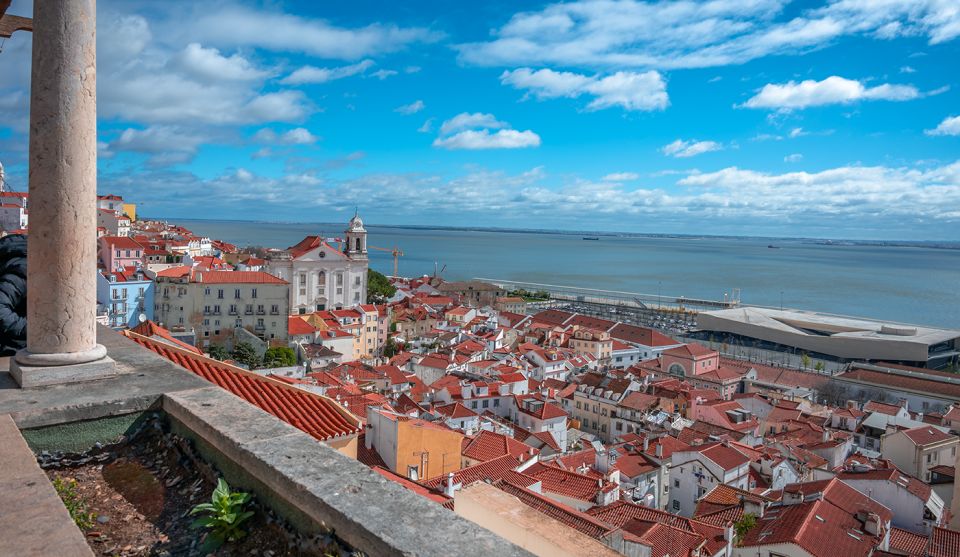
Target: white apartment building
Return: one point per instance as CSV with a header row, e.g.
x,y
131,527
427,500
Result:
x,y
214,303
695,472
321,276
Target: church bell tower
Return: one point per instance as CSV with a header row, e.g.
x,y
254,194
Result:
x,y
356,236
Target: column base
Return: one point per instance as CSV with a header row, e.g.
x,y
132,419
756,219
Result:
x,y
38,370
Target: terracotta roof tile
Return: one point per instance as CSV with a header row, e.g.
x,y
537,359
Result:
x,y
313,414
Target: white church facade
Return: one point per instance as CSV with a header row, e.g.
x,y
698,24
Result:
x,y
321,276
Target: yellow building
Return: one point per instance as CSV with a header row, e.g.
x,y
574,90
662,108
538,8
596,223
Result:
x,y
130,209
412,447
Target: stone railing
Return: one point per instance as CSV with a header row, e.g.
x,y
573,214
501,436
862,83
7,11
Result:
x,y
310,484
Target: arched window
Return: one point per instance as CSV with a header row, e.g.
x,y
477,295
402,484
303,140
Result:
x,y
676,369
358,245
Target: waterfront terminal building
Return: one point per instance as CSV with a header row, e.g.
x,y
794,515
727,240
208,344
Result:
x,y
831,337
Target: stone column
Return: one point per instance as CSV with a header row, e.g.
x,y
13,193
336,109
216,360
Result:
x,y
62,240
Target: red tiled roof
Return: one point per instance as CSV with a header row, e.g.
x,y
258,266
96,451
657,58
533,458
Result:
x,y
911,484
662,539
565,482
908,542
313,414
121,242
370,456
926,435
150,329
725,457
455,410
944,543
820,527
619,513
925,381
492,470
299,326
692,350
488,446
236,277
641,335
580,521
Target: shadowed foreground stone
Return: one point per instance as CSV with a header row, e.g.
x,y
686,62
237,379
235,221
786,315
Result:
x,y
33,520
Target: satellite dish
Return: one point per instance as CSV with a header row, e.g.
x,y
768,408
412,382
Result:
x,y
141,318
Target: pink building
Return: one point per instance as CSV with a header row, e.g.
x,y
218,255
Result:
x,y
117,252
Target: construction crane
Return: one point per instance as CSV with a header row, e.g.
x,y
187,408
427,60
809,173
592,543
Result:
x,y
397,254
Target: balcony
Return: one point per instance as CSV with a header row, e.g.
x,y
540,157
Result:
x,y
311,485
261,312
233,312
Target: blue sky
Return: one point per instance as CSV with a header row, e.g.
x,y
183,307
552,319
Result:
x,y
836,119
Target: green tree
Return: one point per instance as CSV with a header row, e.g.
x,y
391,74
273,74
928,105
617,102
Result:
x,y
391,348
379,289
819,366
805,360
244,354
744,525
218,352
279,356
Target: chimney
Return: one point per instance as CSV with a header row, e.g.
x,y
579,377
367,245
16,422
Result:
x,y
871,524
659,450
646,443
449,487
755,508
905,404
728,531
852,405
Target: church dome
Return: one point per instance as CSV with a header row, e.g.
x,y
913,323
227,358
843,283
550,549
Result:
x,y
356,224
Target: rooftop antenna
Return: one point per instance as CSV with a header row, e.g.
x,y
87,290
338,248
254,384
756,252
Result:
x,y
2,180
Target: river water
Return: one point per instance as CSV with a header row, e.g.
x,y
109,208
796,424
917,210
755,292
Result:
x,y
907,284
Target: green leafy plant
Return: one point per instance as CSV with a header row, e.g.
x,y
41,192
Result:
x,y
743,526
67,490
224,515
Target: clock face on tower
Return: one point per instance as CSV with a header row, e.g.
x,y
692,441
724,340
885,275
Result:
x,y
322,254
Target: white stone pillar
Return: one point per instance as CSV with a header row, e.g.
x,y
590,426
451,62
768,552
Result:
x,y
62,238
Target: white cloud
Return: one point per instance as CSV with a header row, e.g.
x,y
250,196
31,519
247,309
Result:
x,y
664,34
241,26
795,157
412,108
164,145
466,120
295,136
383,74
907,69
832,90
915,201
546,83
949,126
797,132
208,64
427,126
691,148
484,139
313,74
621,177
475,131
628,90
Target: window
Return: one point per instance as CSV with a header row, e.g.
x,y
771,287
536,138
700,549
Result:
x,y
676,505
578,405
356,280
259,322
220,294
358,244
236,293
486,404
473,404
253,293
496,402
303,279
274,308
206,322
216,310
676,483
339,280
206,291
